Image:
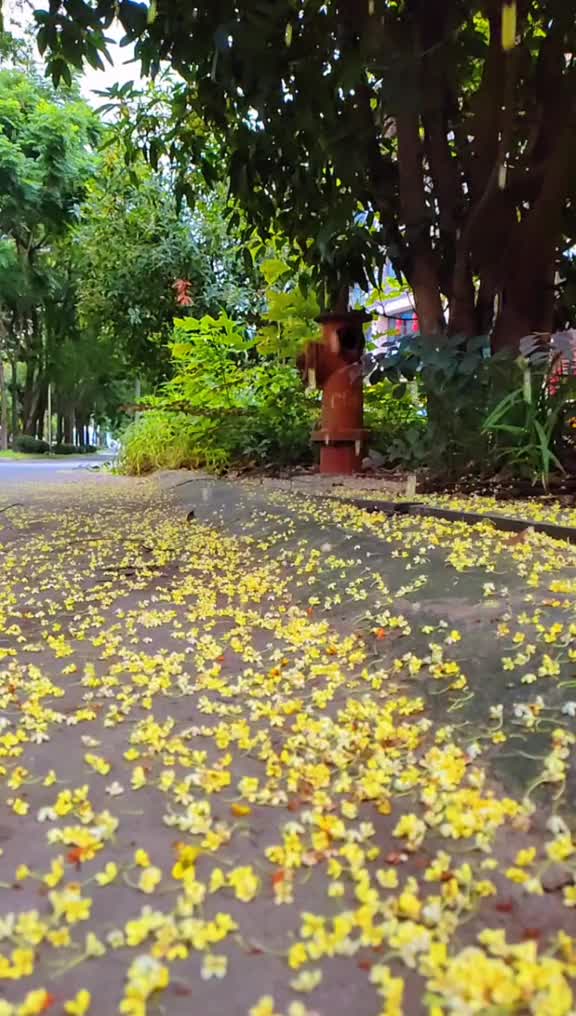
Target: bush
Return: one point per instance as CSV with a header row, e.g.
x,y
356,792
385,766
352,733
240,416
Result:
x,y
65,449
71,449
30,445
227,405
159,440
274,431
395,419
457,380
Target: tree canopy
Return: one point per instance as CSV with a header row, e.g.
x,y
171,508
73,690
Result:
x,y
47,149
439,133
91,253
130,248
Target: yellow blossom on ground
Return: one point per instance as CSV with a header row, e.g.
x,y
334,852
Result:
x,y
307,980
149,879
80,1005
36,1002
70,904
244,882
213,966
265,1007
108,875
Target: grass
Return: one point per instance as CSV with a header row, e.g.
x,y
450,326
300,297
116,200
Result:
x,y
9,454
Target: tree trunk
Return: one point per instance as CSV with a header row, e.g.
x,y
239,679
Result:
x,y
462,318
4,407
69,427
60,429
422,271
29,400
79,427
527,306
40,414
14,386
527,303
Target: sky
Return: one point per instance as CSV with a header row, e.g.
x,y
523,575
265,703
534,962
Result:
x,y
18,15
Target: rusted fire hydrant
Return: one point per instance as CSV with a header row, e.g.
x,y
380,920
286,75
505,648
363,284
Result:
x,y
334,365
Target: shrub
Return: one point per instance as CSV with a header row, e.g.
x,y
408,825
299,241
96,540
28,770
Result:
x,y
274,429
158,440
530,428
395,418
457,379
72,449
30,445
226,405
66,449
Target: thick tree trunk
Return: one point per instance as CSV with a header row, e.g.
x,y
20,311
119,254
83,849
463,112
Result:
x,y
462,318
485,305
60,429
422,271
529,262
341,306
424,284
527,306
3,407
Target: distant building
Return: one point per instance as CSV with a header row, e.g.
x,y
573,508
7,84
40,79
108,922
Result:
x,y
396,315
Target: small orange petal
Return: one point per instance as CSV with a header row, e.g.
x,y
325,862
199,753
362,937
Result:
x,y
241,809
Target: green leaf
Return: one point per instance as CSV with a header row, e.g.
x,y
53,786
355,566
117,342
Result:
x,y
273,269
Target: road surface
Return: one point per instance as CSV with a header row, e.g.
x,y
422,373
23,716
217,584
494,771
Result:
x,y
262,755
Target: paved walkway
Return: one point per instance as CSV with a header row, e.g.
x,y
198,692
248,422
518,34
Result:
x,y
263,755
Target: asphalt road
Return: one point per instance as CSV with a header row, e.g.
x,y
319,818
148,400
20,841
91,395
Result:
x,y
14,471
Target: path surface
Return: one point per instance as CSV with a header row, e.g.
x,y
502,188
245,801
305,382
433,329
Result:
x,y
265,755
54,469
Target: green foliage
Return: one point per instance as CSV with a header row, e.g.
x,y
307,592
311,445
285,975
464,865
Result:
x,y
456,380
30,445
89,254
47,155
273,431
159,440
364,130
289,318
524,425
394,416
130,247
469,423
225,405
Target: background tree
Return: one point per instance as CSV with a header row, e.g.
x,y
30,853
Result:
x,y
46,158
132,244
90,252
438,132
